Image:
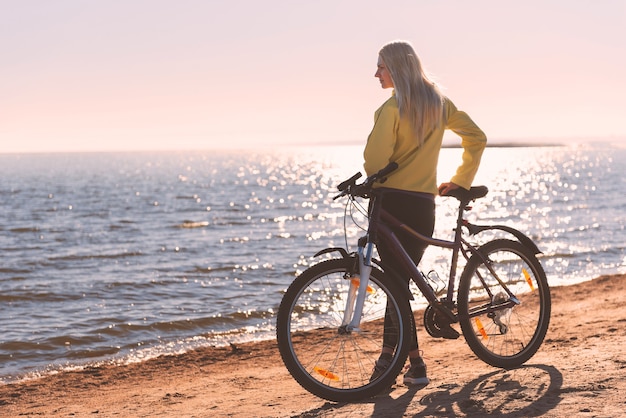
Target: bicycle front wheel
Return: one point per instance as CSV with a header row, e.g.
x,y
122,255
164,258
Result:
x,y
325,358
504,303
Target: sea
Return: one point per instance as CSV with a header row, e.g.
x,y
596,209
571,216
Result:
x,y
113,258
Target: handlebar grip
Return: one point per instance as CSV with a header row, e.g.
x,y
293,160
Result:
x,y
345,184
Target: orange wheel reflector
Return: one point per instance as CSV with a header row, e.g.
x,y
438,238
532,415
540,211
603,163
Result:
x,y
326,374
481,329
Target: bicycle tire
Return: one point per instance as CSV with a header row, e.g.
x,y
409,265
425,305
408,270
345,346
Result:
x,y
330,364
504,337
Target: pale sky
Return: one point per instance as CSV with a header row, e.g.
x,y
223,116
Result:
x,y
106,75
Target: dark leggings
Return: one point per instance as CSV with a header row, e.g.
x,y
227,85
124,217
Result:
x,y
416,210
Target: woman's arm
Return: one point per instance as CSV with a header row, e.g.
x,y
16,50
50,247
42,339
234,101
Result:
x,y
473,141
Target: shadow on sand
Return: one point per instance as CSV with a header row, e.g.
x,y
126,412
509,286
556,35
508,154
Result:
x,y
531,390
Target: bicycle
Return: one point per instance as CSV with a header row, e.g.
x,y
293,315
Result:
x,y
331,318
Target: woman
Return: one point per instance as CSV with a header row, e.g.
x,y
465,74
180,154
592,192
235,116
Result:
x,y
409,130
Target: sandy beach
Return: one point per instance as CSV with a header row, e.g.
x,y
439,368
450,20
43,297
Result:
x,y
579,371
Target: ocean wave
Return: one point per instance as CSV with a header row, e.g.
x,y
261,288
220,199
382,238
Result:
x,y
24,230
193,224
79,257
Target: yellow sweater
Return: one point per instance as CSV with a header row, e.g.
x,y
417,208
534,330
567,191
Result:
x,y
392,139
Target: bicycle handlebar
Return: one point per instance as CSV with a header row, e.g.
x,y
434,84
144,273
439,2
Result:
x,y
349,187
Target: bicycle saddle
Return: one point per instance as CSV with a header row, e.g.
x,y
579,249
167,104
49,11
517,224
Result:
x,y
465,195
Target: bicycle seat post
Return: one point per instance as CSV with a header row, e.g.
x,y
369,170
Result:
x,y
455,252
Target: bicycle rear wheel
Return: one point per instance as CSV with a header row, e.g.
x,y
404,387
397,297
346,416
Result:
x,y
321,356
502,329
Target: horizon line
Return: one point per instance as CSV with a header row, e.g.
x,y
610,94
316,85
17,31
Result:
x,y
447,143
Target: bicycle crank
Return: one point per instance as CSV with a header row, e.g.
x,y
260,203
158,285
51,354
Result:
x,y
438,325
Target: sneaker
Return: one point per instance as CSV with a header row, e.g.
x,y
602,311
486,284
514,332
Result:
x,y
416,374
381,365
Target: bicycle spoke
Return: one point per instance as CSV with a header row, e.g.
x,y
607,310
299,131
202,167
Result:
x,y
326,359
504,305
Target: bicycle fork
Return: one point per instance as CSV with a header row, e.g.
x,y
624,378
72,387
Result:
x,y
358,291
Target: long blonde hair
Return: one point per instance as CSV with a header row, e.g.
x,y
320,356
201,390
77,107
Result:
x,y
419,99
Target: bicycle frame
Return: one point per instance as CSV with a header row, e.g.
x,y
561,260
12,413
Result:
x,y
381,229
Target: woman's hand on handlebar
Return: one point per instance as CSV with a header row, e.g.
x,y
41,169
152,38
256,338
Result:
x,y
349,187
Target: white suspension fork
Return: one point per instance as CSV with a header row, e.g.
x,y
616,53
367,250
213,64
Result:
x,y
358,291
